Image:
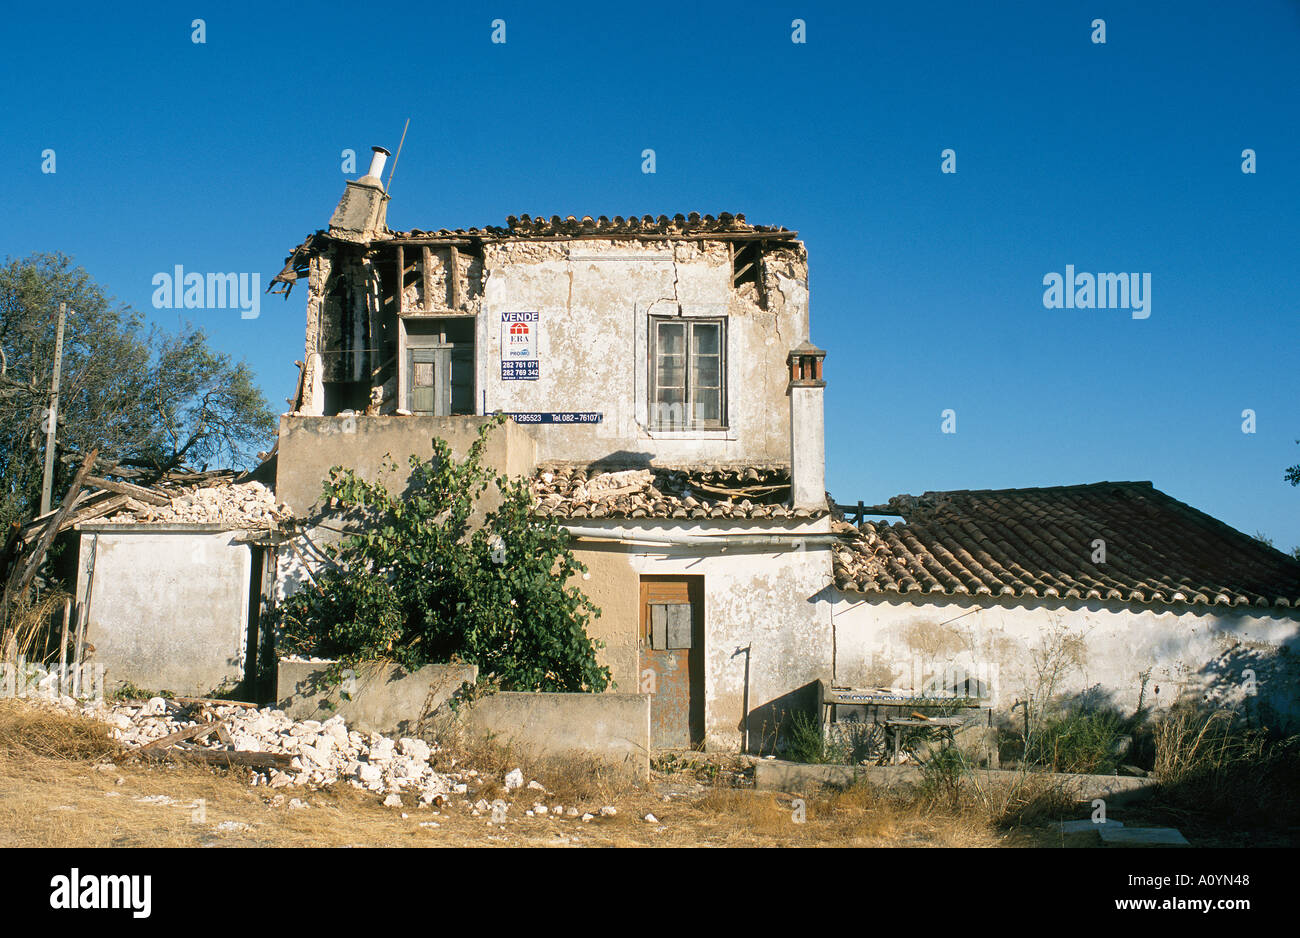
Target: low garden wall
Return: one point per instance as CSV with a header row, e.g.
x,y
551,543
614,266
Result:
x,y
381,698
385,698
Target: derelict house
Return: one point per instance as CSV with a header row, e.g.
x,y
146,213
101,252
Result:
x,y
666,400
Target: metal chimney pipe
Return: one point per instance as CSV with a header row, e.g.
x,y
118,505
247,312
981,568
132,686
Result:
x,y
377,161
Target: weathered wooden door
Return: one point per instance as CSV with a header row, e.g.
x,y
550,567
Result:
x,y
672,659
427,367
442,380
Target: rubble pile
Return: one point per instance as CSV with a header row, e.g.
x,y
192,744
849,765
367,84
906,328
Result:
x,y
242,505
322,753
316,754
736,492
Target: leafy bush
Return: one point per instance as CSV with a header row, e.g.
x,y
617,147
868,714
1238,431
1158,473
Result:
x,y
1078,742
421,579
808,742
943,774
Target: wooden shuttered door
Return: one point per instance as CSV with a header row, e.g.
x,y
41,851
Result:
x,y
672,659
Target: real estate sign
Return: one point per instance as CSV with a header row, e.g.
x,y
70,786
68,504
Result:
x,y
519,346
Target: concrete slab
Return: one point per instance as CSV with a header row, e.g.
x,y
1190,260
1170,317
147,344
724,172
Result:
x,y
1082,827
780,775
1141,837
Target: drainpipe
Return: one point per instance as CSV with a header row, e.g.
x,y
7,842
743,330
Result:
x,y
624,536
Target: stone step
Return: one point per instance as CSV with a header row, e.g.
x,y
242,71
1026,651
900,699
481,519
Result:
x,y
1082,827
1141,837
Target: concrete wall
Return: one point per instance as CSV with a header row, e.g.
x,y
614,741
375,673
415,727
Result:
x,y
773,601
310,446
168,604
1105,648
382,698
611,727
385,698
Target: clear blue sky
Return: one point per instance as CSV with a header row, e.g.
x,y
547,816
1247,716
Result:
x,y
926,288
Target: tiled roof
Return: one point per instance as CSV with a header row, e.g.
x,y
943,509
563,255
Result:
x,y
525,226
590,492
1039,542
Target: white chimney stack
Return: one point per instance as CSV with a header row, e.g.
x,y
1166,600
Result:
x,y
377,161
807,427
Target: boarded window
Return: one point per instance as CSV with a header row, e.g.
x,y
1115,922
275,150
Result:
x,y
670,625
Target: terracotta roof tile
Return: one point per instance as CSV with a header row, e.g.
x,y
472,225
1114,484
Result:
x,y
1038,542
541,226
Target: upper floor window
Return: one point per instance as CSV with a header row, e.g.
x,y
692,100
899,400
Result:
x,y
688,374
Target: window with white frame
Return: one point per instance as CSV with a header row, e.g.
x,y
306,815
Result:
x,y
688,388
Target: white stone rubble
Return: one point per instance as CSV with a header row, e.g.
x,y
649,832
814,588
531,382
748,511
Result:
x,y
323,753
243,505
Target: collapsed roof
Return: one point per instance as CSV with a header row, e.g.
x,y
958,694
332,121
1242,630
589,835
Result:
x,y
746,492
693,226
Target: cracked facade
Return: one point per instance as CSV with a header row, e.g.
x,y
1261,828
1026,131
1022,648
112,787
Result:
x,y
717,305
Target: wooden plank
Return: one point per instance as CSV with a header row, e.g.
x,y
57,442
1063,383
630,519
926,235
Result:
x,y
138,492
453,273
193,732
97,510
215,702
295,402
401,276
83,617
226,757
427,257
63,646
21,578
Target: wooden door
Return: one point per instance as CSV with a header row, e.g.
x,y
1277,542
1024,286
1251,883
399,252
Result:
x,y
672,659
426,371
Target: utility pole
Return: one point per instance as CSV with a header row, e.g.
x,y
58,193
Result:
x,y
52,417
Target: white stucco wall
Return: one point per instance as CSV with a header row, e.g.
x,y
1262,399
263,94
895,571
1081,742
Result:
x,y
595,299
1192,652
168,605
773,600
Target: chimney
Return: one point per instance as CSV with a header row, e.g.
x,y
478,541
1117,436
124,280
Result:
x,y
376,171
363,211
807,427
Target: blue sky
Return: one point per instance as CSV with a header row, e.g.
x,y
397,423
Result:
x,y
926,287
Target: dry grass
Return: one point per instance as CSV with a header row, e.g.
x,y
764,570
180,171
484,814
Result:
x,y
32,627
59,786
568,779
1241,776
